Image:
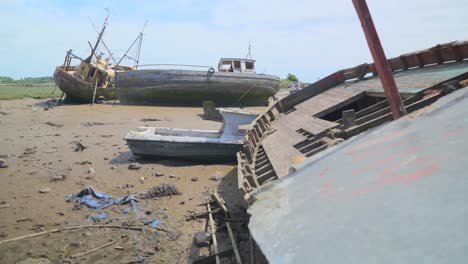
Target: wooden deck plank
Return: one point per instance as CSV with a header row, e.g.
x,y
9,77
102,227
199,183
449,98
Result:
x,y
279,147
301,119
329,100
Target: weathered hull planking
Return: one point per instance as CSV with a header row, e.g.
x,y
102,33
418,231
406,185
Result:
x,y
78,90
149,87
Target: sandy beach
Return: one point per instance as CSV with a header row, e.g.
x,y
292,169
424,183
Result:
x,y
38,143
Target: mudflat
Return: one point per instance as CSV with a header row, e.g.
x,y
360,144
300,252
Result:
x,y
39,144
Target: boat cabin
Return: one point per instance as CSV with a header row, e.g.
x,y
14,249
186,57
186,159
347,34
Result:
x,y
236,65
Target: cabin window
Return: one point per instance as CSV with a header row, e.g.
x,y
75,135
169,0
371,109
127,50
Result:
x,y
91,73
249,65
237,64
226,66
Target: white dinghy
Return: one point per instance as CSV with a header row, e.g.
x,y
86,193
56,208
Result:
x,y
207,145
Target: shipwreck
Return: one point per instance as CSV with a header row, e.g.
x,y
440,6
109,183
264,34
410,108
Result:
x,y
234,83
311,155
94,76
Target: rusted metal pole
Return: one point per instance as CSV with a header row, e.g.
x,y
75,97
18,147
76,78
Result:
x,y
380,61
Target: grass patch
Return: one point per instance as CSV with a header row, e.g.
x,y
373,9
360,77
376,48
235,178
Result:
x,y
19,91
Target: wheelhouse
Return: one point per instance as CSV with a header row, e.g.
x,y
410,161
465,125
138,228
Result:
x,y
236,65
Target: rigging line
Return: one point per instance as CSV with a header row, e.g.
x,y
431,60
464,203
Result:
x,y
103,43
128,50
242,96
140,43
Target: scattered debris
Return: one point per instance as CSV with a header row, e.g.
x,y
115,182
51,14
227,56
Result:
x,y
164,189
202,239
194,179
216,177
4,156
91,171
172,176
79,147
29,151
148,212
23,219
134,166
54,124
3,113
3,163
150,119
90,124
60,177
44,190
158,174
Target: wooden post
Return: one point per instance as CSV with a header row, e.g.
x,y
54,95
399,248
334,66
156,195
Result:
x,y
94,93
380,61
349,118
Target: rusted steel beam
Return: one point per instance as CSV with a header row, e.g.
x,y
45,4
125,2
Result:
x,y
380,61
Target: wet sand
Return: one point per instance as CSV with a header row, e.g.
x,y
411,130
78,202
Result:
x,y
28,141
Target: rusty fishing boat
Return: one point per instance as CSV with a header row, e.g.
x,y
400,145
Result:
x,y
94,76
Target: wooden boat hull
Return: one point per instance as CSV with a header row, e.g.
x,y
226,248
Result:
x,y
186,150
78,90
186,87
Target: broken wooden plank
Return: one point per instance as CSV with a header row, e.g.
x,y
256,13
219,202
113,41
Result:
x,y
213,232
212,258
233,243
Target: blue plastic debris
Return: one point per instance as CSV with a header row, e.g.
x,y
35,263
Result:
x,y
125,211
152,222
97,217
98,200
155,223
140,259
147,221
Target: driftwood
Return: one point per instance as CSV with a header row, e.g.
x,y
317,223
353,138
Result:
x,y
68,228
92,250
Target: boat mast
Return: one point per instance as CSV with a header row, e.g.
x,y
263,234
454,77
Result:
x,y
104,25
249,54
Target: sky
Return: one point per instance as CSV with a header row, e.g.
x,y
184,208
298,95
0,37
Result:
x,y
308,38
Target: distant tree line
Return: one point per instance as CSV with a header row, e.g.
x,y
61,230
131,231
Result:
x,y
26,80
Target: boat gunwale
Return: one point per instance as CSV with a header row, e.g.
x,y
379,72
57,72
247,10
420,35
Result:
x,y
176,72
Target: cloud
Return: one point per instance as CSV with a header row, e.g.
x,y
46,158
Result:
x,y
308,38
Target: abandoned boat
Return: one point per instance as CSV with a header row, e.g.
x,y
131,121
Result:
x,y
193,144
235,83
91,78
